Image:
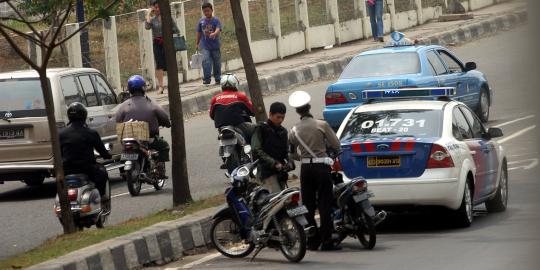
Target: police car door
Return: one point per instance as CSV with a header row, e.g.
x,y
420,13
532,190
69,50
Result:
x,y
459,78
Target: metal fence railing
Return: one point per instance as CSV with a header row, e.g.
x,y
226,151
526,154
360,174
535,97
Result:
x,y
346,10
127,37
258,20
287,13
317,12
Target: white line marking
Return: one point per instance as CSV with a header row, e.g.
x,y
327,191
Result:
x,y
534,163
513,121
517,134
199,261
127,193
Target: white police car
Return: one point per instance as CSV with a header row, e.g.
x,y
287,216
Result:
x,y
424,152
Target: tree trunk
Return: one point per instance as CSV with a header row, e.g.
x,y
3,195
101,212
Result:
x,y
181,192
247,59
66,215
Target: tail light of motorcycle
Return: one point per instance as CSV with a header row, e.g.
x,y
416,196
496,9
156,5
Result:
x,y
337,166
294,199
360,185
72,194
129,146
439,158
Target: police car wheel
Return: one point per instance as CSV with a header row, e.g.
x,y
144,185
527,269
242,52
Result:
x,y
500,201
464,215
483,106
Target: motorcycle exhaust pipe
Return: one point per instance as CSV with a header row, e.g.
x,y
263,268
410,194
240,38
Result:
x,y
310,231
379,217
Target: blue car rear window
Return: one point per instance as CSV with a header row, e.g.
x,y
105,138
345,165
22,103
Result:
x,y
383,64
394,123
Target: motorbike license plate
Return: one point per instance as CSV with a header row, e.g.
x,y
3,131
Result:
x,y
360,197
297,211
227,142
126,156
384,162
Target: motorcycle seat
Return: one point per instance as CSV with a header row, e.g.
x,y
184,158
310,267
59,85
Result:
x,y
339,188
76,180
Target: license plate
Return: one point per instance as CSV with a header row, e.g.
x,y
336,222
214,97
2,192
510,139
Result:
x,y
9,134
227,142
360,197
126,156
297,211
384,162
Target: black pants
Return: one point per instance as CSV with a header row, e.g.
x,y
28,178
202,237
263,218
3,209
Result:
x,y
316,188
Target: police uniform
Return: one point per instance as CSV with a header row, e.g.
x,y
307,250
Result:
x,y
314,138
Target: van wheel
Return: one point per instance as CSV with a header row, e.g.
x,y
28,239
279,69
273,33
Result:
x,y
34,180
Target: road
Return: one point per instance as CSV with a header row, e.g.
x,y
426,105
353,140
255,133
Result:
x,y
27,219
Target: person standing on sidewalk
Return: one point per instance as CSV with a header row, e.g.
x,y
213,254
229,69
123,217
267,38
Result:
x,y
375,11
270,145
315,139
153,22
208,31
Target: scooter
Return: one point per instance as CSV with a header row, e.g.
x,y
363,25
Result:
x,y
233,148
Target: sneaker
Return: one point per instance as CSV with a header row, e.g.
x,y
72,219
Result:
x,y
206,83
381,39
217,83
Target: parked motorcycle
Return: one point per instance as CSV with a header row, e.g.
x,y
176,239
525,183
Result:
x,y
353,214
255,219
141,166
86,202
233,148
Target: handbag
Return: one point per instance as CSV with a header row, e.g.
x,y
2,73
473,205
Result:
x,y
179,43
196,60
371,2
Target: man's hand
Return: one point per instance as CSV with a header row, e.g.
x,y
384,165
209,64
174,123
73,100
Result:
x,y
279,166
213,35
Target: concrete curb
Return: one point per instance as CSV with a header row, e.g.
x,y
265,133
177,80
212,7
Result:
x,y
156,245
169,241
281,81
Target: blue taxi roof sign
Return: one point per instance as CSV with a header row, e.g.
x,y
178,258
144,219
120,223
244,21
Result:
x,y
402,93
399,39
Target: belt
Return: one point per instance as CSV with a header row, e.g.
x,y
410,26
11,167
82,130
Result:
x,y
314,160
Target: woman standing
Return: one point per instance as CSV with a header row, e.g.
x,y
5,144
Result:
x,y
153,22
375,10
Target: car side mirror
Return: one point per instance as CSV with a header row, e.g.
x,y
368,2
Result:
x,y
494,133
470,66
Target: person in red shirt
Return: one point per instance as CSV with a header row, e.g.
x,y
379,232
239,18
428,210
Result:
x,y
232,108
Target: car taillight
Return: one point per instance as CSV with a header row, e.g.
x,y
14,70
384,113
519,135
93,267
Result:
x,y
337,166
439,158
334,98
72,194
359,186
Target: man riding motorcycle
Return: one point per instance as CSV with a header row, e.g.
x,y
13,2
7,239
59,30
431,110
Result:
x,y
232,108
78,142
140,107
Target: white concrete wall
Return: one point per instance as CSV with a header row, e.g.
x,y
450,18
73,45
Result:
x,y
478,4
432,13
264,50
406,20
351,30
322,35
293,43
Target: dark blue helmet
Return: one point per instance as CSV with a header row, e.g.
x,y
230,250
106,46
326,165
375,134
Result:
x,y
136,83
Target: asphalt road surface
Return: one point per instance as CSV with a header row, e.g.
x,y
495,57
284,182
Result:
x,y
406,242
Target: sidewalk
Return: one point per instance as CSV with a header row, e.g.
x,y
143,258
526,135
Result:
x,y
322,64
168,241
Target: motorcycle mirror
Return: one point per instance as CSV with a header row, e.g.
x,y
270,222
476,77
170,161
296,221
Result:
x,y
247,149
108,146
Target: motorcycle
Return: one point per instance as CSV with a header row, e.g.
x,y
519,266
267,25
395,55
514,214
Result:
x,y
233,148
255,219
85,201
353,214
141,165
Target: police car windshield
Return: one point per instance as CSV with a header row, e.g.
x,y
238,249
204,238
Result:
x,y
382,64
21,98
394,123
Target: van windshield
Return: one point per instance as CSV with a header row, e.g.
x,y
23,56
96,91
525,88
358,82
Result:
x,y
21,98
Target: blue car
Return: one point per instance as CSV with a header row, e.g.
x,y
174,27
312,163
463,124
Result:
x,y
406,66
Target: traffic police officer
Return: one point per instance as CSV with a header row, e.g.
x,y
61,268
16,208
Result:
x,y
315,139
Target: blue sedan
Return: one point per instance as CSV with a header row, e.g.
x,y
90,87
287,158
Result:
x,y
408,66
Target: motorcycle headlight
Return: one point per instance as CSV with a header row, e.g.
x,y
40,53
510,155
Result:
x,y
242,172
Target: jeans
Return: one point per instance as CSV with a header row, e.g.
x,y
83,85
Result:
x,y
376,19
211,60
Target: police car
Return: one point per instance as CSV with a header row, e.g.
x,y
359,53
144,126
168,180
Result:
x,y
424,152
402,64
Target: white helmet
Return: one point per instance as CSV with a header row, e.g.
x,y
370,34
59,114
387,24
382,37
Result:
x,y
299,99
229,81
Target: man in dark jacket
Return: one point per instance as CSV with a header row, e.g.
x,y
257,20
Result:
x,y
78,142
270,145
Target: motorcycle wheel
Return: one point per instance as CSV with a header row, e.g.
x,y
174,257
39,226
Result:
x,y
160,183
132,178
293,245
100,223
232,162
366,232
225,235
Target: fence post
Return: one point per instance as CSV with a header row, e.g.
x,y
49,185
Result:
x,y
361,12
274,23
333,13
419,11
178,14
393,18
110,46
148,67
74,46
245,11
302,17
34,50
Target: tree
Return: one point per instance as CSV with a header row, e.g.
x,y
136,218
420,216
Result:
x,y
181,193
56,14
247,59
